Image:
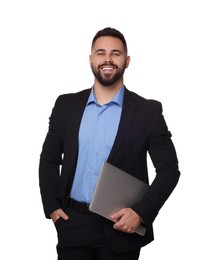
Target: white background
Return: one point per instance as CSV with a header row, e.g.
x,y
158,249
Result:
x,y
176,57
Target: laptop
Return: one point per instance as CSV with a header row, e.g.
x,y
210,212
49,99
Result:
x,y
116,190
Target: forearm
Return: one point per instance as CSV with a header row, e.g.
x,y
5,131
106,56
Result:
x,y
159,191
49,174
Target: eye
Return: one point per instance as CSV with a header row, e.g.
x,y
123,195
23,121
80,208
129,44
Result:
x,y
100,53
116,53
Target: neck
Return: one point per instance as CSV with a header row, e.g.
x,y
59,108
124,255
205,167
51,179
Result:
x,y
105,94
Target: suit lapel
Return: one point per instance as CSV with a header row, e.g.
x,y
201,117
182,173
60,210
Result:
x,y
77,111
128,112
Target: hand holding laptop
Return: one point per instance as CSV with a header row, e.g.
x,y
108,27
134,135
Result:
x,y
116,191
126,220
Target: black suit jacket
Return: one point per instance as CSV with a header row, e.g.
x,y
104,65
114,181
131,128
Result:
x,y
142,129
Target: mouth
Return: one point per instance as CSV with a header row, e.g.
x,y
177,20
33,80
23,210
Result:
x,y
107,69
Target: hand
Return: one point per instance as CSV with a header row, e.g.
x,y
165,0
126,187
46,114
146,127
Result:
x,y
59,213
127,220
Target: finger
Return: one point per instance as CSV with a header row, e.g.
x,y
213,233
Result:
x,y
59,213
118,225
117,215
123,227
64,215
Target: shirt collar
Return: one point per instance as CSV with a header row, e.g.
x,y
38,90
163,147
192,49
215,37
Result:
x,y
118,99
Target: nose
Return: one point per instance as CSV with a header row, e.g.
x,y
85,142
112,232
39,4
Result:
x,y
108,58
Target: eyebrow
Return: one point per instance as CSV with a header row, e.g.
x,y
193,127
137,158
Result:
x,y
114,50
100,50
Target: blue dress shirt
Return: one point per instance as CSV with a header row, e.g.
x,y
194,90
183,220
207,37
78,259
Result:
x,y
97,133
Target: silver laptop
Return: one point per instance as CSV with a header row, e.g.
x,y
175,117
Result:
x,y
116,190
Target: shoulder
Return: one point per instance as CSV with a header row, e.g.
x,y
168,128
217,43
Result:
x,y
70,97
143,102
72,102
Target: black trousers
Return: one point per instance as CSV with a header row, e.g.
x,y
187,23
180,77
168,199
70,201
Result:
x,y
81,237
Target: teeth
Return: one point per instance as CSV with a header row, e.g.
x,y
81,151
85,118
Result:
x,y
107,68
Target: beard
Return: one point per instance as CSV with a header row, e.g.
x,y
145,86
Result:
x,y
108,79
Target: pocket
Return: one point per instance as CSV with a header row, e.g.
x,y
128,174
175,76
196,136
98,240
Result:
x,y
58,220
58,223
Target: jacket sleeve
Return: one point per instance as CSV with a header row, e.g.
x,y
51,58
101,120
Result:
x,y
164,158
50,161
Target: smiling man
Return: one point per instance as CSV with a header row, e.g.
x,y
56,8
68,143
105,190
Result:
x,y
105,123
109,62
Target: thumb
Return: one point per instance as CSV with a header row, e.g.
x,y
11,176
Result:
x,y
116,216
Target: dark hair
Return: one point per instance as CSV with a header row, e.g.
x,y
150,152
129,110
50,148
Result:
x,y
108,31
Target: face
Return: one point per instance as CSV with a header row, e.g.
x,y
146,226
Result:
x,y
108,60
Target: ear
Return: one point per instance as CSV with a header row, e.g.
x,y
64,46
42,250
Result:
x,y
128,61
90,58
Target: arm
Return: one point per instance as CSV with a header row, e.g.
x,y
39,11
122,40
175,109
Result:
x,y
50,161
164,158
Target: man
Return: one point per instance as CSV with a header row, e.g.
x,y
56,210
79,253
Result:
x,y
104,123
